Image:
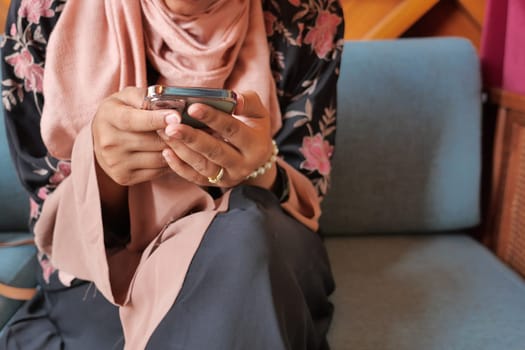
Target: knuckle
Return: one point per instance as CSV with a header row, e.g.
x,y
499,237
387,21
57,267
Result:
x,y
187,136
122,178
214,153
151,121
231,129
111,162
200,165
159,142
128,90
196,178
124,119
105,144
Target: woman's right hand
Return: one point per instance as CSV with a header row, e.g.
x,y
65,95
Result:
x,y
127,149
126,145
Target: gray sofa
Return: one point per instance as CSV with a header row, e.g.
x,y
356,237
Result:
x,y
17,264
405,192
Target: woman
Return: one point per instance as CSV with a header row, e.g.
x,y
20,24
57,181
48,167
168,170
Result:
x,y
196,240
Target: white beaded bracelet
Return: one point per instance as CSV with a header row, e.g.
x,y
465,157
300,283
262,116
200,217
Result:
x,y
266,166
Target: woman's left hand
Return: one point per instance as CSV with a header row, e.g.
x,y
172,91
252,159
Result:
x,y
238,145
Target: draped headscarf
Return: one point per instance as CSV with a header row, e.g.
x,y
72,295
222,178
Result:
x,y
100,47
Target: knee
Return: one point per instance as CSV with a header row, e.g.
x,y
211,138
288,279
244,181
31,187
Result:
x,y
243,234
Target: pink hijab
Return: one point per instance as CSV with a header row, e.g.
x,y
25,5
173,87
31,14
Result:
x,y
96,49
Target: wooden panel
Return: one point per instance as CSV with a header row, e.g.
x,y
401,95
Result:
x,y
361,15
4,5
447,19
402,17
511,231
375,19
508,100
505,228
475,8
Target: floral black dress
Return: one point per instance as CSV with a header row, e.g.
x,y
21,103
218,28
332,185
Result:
x,y
305,40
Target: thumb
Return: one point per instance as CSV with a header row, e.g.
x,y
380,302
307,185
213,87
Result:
x,y
249,104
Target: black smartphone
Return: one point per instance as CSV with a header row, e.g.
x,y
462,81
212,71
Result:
x,y
180,98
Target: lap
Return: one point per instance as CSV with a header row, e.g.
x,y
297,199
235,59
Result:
x,y
76,317
259,280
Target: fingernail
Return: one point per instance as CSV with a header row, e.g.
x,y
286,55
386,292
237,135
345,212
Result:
x,y
166,154
162,134
170,130
172,118
196,112
240,103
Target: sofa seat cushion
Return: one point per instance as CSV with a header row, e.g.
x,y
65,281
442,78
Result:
x,y
413,292
17,268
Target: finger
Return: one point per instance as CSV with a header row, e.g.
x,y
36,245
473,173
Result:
x,y
198,161
118,165
130,119
145,160
128,115
225,125
132,96
149,141
144,175
249,104
212,148
182,169
125,172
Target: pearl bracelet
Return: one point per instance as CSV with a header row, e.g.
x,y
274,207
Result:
x,y
266,166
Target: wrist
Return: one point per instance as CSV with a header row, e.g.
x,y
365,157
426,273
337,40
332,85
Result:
x,y
266,174
266,180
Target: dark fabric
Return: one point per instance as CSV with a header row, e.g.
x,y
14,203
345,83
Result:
x,y
76,317
260,280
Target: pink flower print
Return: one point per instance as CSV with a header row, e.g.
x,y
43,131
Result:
x,y
317,153
34,82
21,62
33,208
295,2
34,9
42,193
63,171
321,36
26,69
47,269
269,22
299,38
13,30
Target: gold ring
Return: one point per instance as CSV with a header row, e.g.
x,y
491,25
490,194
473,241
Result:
x,y
218,177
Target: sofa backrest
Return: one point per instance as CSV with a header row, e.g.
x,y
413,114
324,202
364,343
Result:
x,y
14,201
408,142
